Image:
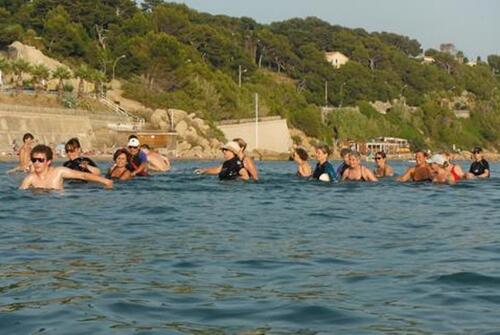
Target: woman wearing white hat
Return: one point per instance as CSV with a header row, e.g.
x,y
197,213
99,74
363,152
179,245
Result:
x,y
438,167
232,168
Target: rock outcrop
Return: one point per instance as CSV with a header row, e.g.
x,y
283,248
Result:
x,y
194,135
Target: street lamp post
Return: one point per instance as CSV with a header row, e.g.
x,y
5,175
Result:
x,y
342,93
240,73
114,65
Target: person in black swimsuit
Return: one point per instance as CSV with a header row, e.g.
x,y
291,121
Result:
x,y
120,170
232,168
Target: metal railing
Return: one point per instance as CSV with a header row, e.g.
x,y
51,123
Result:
x,y
122,111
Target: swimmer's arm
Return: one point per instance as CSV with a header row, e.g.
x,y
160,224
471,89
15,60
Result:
x,y
251,168
210,170
369,175
167,162
486,174
73,174
141,168
345,174
94,170
26,183
406,176
244,174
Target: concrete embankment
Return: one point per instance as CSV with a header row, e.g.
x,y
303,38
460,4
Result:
x,y
53,126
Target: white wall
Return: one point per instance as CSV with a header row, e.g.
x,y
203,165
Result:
x,y
272,135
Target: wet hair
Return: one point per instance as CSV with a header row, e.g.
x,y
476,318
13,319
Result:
x,y
119,152
42,149
355,154
73,143
420,150
132,136
302,153
381,154
344,152
145,146
27,136
325,148
241,143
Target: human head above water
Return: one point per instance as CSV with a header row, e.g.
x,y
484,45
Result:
x,y
324,148
72,144
241,143
302,153
42,149
344,152
120,152
27,136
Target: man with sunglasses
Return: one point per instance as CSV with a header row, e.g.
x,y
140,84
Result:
x,y
138,162
76,160
480,168
47,177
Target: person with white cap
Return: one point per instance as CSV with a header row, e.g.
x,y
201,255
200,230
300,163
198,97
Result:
x,y
438,167
138,160
232,168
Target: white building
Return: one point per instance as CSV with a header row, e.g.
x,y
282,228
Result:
x,y
337,59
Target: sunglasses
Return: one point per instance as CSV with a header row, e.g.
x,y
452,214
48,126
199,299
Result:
x,y
70,150
37,159
378,158
132,147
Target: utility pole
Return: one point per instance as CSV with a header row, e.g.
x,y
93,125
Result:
x,y
326,93
239,76
256,120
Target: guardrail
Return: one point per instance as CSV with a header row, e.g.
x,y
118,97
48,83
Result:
x,y
122,111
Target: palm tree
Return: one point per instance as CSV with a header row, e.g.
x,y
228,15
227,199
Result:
x,y
4,69
39,74
98,77
20,67
83,73
62,73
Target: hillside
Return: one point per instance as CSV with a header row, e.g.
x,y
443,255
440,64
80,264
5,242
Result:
x,y
170,56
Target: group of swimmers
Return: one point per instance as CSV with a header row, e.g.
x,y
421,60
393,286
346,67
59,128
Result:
x,y
138,160
134,160
438,168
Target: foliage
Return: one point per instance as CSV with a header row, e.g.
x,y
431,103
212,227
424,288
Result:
x,y
179,58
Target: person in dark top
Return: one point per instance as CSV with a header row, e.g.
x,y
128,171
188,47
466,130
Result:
x,y
324,170
344,154
77,161
232,168
138,160
421,172
479,168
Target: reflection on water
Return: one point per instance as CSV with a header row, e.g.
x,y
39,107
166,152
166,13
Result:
x,y
186,254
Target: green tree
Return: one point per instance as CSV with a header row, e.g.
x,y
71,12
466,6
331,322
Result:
x,y
39,75
61,73
19,68
83,73
494,63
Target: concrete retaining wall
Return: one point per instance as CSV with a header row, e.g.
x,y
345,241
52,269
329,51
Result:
x,y
271,134
51,126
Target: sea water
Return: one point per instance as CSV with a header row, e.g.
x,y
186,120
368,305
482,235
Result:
x,y
180,253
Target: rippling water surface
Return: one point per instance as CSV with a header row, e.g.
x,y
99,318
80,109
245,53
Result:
x,y
180,253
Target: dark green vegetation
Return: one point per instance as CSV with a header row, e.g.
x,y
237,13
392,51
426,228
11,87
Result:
x,y
173,57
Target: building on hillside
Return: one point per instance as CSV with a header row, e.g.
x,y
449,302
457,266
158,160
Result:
x,y
389,145
337,59
448,48
462,113
471,63
428,60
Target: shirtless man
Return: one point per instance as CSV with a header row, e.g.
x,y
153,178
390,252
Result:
x,y
24,154
420,172
48,177
356,171
157,162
